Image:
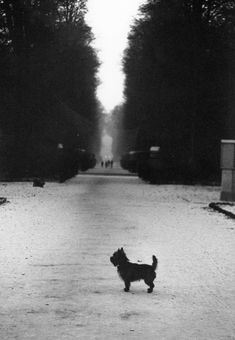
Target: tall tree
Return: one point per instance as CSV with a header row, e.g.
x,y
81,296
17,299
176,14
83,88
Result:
x,y
46,64
176,78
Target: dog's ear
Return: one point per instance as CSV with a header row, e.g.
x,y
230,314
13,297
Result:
x,y
122,250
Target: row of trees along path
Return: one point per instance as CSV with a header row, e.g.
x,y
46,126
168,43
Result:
x,y
47,82
180,79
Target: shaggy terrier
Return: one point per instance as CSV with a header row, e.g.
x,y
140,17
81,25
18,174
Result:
x,y
130,272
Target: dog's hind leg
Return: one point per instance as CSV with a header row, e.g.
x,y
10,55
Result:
x,y
127,286
151,286
149,281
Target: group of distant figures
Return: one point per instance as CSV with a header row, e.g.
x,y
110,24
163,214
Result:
x,y
107,163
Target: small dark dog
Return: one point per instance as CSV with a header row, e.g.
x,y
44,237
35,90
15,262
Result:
x,y
130,272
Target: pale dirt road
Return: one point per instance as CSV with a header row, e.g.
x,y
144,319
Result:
x,y
57,281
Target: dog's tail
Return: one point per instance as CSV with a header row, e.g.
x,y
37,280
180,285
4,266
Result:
x,y
155,262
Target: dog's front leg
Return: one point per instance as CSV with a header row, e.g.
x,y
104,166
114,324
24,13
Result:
x,y
127,286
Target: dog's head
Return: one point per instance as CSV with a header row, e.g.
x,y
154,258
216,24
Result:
x,y
118,257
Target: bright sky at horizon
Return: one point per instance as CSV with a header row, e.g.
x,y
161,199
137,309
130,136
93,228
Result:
x,y
110,21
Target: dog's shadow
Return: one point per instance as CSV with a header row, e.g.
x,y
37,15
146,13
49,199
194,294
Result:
x,y
118,292
159,294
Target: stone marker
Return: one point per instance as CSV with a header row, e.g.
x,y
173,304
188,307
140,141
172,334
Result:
x,y
228,170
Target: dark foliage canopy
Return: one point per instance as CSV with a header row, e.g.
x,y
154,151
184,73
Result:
x,y
47,75
178,67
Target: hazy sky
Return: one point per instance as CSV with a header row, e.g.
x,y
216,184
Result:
x,y
110,21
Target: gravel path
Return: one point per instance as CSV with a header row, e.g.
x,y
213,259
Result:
x,y
57,281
